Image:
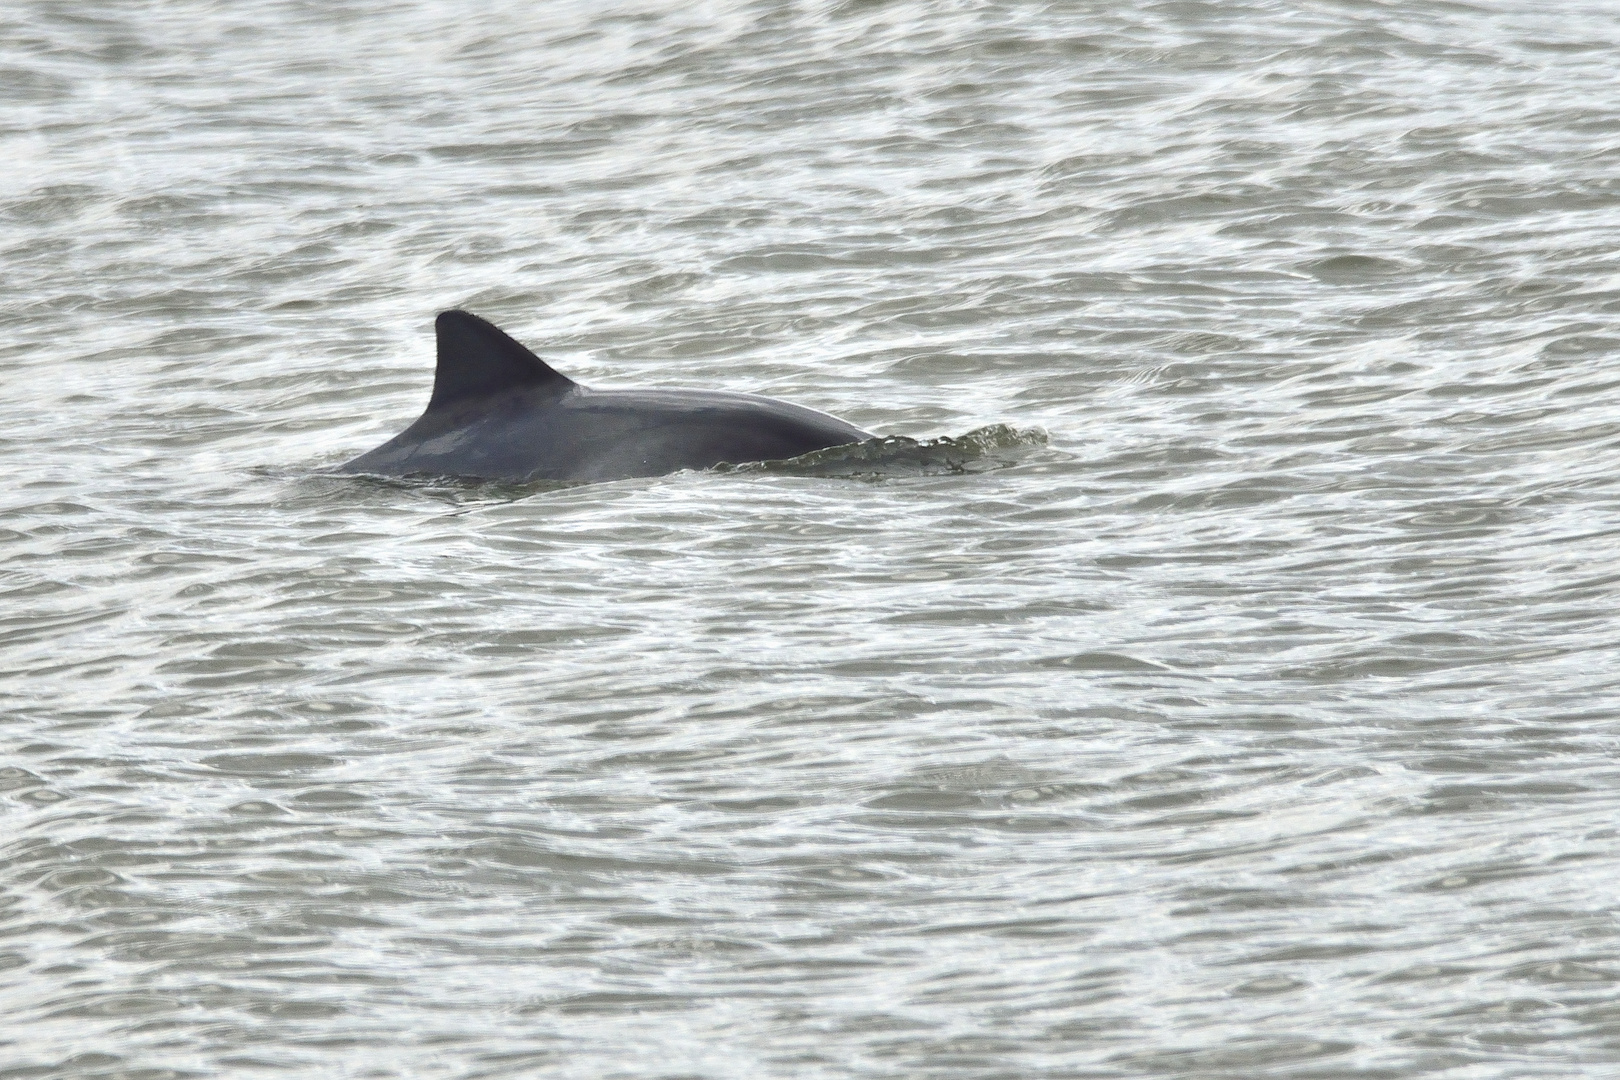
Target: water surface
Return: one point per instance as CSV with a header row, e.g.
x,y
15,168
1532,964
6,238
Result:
x,y
1257,721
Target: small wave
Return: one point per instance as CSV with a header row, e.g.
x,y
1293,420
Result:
x,y
996,446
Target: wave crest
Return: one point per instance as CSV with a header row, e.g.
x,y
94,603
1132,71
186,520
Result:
x,y
996,446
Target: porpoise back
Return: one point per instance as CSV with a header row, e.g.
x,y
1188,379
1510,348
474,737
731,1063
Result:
x,y
499,412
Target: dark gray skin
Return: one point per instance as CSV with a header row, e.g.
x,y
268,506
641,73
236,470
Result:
x,y
498,412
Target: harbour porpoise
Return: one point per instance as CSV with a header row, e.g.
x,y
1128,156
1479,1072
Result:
x,y
499,412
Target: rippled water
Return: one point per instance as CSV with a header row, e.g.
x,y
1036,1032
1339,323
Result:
x,y
1260,720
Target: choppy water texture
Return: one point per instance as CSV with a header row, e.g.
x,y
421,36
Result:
x,y
1260,722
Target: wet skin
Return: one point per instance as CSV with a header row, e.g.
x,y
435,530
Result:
x,y
499,412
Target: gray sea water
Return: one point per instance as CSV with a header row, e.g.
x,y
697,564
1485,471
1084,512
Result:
x,y
1225,686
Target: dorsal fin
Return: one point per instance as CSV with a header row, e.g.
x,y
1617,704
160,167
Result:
x,y
476,359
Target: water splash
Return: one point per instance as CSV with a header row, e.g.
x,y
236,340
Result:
x,y
985,449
